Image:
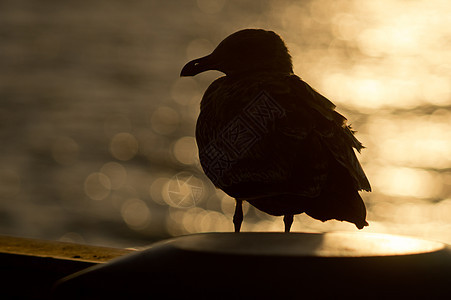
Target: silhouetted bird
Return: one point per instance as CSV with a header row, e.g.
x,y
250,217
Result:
x,y
266,137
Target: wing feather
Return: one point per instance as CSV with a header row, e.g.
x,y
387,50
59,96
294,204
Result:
x,y
336,134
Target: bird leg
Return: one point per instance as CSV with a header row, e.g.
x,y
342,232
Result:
x,y
238,216
288,220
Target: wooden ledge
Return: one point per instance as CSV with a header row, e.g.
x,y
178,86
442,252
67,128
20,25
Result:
x,y
59,250
30,267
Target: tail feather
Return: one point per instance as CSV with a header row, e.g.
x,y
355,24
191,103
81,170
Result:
x,y
343,207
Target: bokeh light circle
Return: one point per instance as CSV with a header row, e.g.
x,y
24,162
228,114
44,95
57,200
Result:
x,y
184,190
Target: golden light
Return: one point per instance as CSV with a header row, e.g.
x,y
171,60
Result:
x,y
116,174
156,190
345,26
437,91
389,63
386,64
117,123
164,120
124,146
135,213
97,186
211,6
184,190
410,140
443,211
189,219
345,244
185,150
185,91
198,48
406,182
228,205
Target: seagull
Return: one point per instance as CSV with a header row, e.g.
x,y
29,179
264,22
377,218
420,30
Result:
x,y
267,137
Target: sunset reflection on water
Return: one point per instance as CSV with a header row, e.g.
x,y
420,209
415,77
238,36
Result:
x,y
99,125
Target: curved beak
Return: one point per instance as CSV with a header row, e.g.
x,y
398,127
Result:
x,y
199,65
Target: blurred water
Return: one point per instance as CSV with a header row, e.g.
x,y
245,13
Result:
x,y
97,128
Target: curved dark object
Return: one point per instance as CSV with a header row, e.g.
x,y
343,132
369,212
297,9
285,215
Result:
x,y
346,265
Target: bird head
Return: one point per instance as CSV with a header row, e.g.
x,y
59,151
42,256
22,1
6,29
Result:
x,y
245,51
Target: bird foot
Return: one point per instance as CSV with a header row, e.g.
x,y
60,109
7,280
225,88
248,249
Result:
x,y
238,216
288,220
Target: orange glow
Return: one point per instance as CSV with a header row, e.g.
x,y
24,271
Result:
x,y
185,150
344,244
124,146
406,182
381,62
97,186
116,174
135,213
97,123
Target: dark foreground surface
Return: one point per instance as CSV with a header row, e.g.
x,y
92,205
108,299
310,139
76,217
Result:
x,y
30,267
271,265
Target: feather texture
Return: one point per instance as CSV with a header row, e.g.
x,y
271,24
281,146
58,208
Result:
x,y
276,142
267,137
